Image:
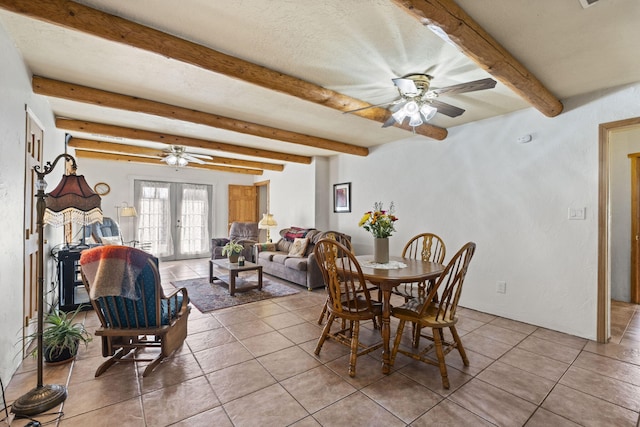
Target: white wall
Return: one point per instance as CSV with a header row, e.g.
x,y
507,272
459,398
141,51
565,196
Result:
x,y
292,196
15,94
323,193
622,142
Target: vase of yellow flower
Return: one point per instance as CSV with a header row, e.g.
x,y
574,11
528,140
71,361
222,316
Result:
x,y
381,250
380,223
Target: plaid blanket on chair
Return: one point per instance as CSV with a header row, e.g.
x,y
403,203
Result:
x,y
113,270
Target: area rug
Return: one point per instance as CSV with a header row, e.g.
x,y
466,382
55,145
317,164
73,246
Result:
x,y
214,296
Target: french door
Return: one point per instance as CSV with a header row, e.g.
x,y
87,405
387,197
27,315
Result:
x,y
174,218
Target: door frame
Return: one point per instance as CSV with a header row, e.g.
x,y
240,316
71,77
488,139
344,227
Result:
x,y
634,277
603,317
33,152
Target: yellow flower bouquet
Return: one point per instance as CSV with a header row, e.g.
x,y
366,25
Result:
x,y
379,222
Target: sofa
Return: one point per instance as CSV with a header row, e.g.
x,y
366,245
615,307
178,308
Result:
x,y
278,259
245,233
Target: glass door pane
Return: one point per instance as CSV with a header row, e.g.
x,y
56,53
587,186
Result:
x,y
193,221
154,217
173,218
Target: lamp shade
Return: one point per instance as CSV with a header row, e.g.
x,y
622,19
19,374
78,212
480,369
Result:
x,y
267,221
72,201
128,211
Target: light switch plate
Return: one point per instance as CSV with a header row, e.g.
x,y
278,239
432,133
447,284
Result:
x,y
577,213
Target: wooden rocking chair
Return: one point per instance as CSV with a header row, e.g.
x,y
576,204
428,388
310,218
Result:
x,y
150,319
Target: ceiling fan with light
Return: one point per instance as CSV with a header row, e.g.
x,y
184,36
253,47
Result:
x,y
418,103
177,155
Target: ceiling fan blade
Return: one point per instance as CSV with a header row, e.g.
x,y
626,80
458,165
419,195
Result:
x,y
390,122
406,86
372,106
447,109
191,158
200,156
465,87
397,105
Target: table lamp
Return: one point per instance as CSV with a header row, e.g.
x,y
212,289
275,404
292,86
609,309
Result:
x,y
266,223
72,201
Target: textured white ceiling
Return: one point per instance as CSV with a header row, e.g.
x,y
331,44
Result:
x,y
354,47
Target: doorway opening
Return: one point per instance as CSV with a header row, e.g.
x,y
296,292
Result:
x,y
263,204
606,131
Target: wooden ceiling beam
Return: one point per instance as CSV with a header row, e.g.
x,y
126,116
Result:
x,y
85,154
110,27
73,92
145,135
484,50
102,146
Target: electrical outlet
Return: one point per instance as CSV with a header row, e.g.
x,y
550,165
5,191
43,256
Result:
x,y
501,287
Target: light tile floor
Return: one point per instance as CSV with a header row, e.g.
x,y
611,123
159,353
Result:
x,y
253,365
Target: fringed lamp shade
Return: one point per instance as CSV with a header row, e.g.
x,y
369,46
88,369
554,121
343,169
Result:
x,y
72,201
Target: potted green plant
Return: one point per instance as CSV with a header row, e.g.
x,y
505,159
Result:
x,y
61,336
232,250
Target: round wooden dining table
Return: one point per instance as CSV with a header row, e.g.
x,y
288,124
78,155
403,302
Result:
x,y
386,280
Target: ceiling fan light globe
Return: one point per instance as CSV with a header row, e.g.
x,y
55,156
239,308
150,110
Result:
x,y
171,160
428,112
416,120
399,115
411,108
182,162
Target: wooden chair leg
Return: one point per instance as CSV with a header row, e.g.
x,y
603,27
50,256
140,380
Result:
x,y
463,353
324,311
437,339
396,342
355,332
416,329
325,332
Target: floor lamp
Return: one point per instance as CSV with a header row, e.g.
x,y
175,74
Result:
x,y
72,201
126,211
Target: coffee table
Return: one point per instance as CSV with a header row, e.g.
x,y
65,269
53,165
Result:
x,y
232,279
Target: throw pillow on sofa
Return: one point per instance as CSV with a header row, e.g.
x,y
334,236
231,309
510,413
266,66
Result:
x,y
299,247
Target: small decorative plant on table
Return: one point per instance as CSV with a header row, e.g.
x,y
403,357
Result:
x,y
232,250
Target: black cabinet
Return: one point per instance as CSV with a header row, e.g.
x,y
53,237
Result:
x,y
70,287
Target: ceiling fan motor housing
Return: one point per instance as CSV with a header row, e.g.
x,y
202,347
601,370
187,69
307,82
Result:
x,y
422,83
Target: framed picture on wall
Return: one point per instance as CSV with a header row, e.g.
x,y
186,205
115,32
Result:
x,y
342,197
